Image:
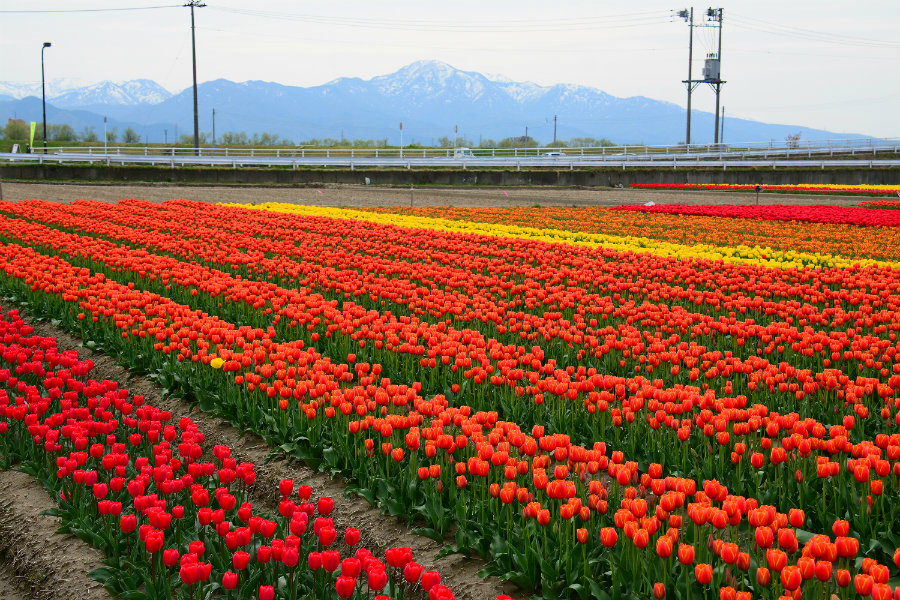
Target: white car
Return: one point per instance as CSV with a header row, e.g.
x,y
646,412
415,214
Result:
x,y
554,154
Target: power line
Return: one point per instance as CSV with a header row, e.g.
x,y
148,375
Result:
x,y
608,21
811,35
84,10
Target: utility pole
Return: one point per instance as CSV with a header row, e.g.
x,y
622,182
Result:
x,y
192,4
722,127
715,15
711,70
401,143
688,15
554,131
105,151
44,94
214,131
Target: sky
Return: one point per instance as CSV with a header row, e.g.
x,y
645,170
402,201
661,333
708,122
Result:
x,y
827,64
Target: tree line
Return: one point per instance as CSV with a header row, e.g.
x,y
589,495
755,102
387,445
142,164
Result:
x,y
19,130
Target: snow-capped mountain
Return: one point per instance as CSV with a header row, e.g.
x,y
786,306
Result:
x,y
431,98
67,93
54,86
129,93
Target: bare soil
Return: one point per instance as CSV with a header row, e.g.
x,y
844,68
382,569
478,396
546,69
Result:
x,y
379,532
35,560
362,196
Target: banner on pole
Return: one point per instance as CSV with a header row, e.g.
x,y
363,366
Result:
x,y
33,127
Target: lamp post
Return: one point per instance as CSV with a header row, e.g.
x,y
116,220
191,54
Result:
x,y
44,94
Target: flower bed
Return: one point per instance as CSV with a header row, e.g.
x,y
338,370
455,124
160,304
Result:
x,y
844,215
539,396
856,190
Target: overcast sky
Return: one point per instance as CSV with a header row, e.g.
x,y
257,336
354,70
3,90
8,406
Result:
x,y
828,64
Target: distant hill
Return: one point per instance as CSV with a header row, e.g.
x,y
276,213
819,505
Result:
x,y
429,97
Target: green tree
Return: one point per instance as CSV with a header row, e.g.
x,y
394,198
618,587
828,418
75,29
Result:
x,y
518,142
112,135
89,135
130,136
61,133
233,138
16,129
188,139
589,142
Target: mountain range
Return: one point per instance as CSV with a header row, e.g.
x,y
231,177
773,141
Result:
x,y
432,99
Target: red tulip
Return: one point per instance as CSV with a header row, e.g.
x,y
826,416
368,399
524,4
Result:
x,y
266,592
127,523
664,546
842,577
685,554
659,590
326,505
351,536
240,560
412,571
863,584
703,573
791,578
290,557
377,579
430,579
608,536
170,557
331,560
229,580
823,570
345,586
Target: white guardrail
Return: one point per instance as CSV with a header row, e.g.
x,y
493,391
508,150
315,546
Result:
x,y
412,163
761,155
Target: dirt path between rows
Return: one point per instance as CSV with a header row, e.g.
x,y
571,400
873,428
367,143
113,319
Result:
x,y
35,560
362,196
379,532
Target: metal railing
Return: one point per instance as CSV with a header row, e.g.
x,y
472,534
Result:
x,y
804,148
344,160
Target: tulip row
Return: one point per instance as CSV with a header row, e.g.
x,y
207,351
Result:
x,y
858,190
673,235
844,215
136,485
367,449
882,204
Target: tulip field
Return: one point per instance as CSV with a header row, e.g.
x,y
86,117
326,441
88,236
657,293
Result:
x,y
667,402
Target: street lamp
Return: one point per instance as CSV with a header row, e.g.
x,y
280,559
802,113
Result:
x,y
44,94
